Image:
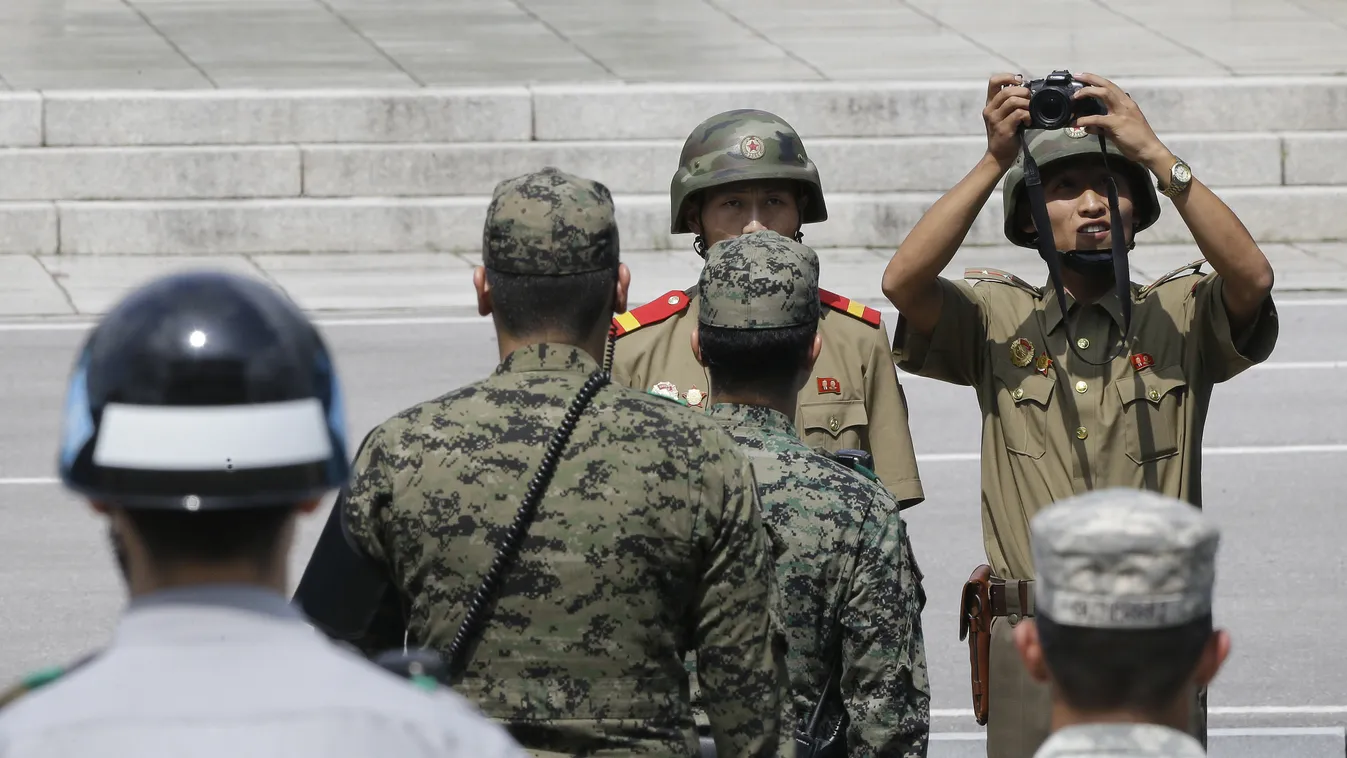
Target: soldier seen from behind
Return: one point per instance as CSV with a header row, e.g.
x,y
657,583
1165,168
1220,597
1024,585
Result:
x,y
742,171
1090,381
851,588
1123,633
203,419
646,542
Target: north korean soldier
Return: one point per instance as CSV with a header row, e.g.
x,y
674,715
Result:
x,y
203,418
1123,628
560,540
1090,381
851,586
742,171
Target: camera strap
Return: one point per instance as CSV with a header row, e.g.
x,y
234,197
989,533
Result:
x,y
1047,248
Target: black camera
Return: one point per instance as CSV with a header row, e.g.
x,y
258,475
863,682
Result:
x,y
1051,106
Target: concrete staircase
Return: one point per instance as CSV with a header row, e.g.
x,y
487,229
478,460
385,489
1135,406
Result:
x,y
207,172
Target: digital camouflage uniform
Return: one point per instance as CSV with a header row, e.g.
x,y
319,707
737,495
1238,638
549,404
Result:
x,y
853,398
1123,559
847,553
1054,426
647,544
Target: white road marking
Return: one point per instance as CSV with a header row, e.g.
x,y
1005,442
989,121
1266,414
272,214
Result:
x,y
952,458
85,323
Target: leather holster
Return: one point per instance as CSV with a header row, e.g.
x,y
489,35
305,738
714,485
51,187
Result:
x,y
975,623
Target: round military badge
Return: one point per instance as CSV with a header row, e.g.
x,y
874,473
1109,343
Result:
x,y
694,396
1021,352
752,148
1076,132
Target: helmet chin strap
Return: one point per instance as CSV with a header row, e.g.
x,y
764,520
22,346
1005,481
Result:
x,y
1085,261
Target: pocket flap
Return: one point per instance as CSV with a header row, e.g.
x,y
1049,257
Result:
x,y
834,417
1151,385
1033,387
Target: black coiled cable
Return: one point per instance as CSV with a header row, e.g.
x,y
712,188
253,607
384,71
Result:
x,y
482,600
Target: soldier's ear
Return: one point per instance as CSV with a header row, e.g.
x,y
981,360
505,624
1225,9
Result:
x,y
697,346
620,288
1031,652
483,291
1213,657
692,215
814,350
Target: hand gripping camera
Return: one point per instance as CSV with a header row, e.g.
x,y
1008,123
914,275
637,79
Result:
x,y
1050,103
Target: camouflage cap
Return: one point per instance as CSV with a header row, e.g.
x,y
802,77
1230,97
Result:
x,y
738,146
550,223
1056,145
759,281
1123,559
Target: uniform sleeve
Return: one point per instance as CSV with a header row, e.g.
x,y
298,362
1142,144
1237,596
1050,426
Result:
x,y
890,432
884,683
953,352
364,509
1224,354
741,659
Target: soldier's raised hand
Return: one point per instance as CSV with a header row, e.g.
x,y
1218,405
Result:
x,y
1007,108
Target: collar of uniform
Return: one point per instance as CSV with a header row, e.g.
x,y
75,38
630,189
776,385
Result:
x,y
548,356
200,614
1053,313
1122,739
244,597
754,415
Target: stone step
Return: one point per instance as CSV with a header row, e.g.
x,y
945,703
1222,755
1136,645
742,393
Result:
x,y
454,224
882,164
619,111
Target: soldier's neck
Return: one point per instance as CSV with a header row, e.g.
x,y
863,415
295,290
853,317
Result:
x,y
775,401
1175,716
145,579
596,344
1086,288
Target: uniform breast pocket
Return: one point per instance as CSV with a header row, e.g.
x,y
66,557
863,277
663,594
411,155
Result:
x,y
1023,403
1152,406
836,425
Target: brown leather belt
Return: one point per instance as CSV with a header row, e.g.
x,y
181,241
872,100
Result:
x,y
1012,598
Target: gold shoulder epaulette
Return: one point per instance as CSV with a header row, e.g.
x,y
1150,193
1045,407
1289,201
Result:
x,y
1004,277
1195,267
665,306
850,307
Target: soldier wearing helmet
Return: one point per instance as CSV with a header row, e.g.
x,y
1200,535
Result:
x,y
1104,407
203,418
744,171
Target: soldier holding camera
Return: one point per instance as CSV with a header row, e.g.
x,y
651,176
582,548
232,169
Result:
x,y
1090,381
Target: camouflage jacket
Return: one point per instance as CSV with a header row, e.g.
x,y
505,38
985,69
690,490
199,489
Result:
x,y
846,548
1130,740
647,544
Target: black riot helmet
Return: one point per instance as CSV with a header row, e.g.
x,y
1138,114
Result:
x,y
204,391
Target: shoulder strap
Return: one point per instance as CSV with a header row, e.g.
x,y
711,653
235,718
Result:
x,y
665,306
1195,267
850,307
1002,277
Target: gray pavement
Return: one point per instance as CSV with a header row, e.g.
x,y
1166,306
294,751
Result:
x,y
1275,452
170,44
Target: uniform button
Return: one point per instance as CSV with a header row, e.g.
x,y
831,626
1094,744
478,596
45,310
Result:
x,y
1081,433
1081,386
1154,395
833,425
1017,394
1082,343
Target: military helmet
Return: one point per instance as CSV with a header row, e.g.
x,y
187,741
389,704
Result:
x,y
1056,145
740,145
203,391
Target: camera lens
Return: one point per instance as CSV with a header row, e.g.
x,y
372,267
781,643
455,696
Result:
x,y
1051,108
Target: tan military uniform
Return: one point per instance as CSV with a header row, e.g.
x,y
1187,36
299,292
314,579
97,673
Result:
x,y
1055,426
852,400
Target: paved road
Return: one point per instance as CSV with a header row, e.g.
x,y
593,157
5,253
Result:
x,y
1277,450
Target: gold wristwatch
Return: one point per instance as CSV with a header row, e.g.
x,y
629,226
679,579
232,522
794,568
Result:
x,y
1180,176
